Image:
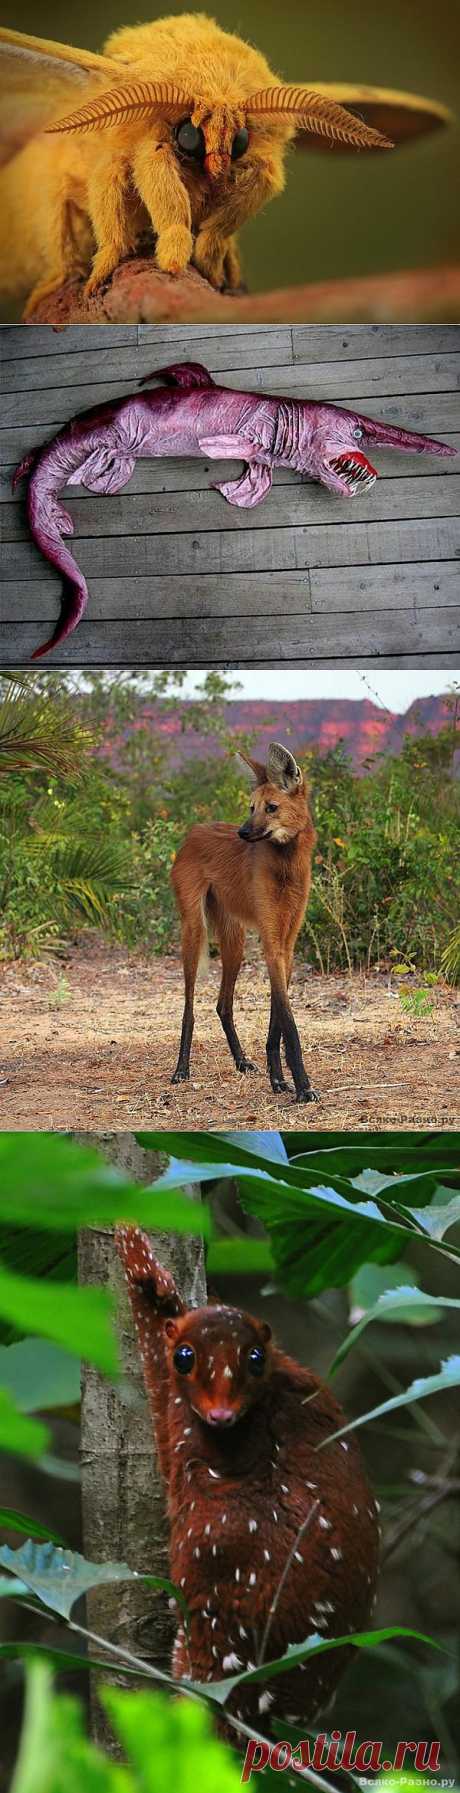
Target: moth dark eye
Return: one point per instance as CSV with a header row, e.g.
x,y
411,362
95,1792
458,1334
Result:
x,y
190,139
256,1361
240,143
184,1359
271,809
358,433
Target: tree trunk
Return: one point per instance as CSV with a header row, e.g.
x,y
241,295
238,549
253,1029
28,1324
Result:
x,y
123,1514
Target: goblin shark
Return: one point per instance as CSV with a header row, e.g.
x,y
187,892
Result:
x,y
190,415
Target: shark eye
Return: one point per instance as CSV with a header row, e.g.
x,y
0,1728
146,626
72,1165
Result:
x,y
358,433
256,1361
240,143
190,139
184,1359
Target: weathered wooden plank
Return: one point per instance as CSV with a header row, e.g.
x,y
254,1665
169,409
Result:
x,y
293,507
432,413
182,642
112,368
40,339
266,550
416,585
186,474
243,594
357,341
107,365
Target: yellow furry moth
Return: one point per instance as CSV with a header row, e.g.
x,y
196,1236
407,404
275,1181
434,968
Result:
x,y
176,134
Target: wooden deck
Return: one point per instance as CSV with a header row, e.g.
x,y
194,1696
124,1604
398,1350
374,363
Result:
x,y
179,578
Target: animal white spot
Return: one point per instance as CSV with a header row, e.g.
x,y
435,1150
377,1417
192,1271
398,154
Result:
x,y
284,1489
265,1700
275,1515
326,1524
345,1447
252,1525
232,1661
267,1556
298,1557
242,1631
237,1574
252,1579
227,1372
337,1554
207,1531
197,1550
215,1475
214,1550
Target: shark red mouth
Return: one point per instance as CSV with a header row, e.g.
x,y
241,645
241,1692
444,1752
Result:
x,y
354,470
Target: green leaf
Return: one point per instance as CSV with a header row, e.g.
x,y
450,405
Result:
x,y
338,1230
9,1586
79,1319
39,1375
171,1745
48,1181
54,1754
439,1217
60,1577
405,1304
239,1256
447,1377
23,1437
312,1646
11,1520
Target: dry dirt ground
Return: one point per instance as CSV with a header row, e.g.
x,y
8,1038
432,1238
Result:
x,y
92,1042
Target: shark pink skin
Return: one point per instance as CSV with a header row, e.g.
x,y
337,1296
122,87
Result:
x,y
190,415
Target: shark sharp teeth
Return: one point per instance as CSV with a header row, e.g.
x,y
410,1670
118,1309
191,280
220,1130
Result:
x,y
352,472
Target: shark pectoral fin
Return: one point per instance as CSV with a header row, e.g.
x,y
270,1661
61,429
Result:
x,y
105,470
250,488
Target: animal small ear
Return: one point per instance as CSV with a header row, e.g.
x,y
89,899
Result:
x,y
266,1331
282,768
257,772
171,1329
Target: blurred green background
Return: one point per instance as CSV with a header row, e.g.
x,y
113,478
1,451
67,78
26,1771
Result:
x,y
339,216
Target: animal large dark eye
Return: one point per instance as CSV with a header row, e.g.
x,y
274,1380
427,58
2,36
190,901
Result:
x,y
240,143
256,1361
358,433
190,139
271,809
184,1359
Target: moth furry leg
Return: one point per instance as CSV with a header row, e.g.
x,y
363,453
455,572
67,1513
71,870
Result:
x,y
69,248
261,181
232,266
114,215
158,181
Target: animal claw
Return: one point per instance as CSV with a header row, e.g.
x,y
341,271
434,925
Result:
x,y
307,1095
180,1076
246,1064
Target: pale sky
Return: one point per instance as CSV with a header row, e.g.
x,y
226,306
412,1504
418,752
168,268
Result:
x,y
394,690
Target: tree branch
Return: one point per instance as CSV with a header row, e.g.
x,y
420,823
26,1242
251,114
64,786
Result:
x,y
138,292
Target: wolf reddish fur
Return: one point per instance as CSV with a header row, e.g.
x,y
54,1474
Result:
x,y
258,876
238,1496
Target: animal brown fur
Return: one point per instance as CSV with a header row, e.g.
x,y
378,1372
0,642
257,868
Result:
x,y
258,876
251,1498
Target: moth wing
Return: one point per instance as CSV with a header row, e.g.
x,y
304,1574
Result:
x,y
401,117
38,81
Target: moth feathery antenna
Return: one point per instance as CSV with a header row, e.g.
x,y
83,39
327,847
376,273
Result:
x,y
117,106
317,112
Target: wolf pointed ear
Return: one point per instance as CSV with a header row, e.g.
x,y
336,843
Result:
x,y
282,768
257,772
